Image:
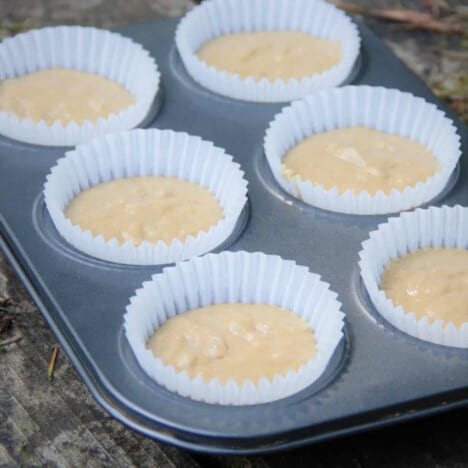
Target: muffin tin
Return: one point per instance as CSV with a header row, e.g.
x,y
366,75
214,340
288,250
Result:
x,y
377,376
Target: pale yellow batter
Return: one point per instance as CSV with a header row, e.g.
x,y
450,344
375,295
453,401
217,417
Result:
x,y
234,341
360,159
431,283
63,95
145,208
271,54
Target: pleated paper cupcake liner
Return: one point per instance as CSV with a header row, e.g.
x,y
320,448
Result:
x,y
387,110
220,17
234,277
86,49
146,153
433,227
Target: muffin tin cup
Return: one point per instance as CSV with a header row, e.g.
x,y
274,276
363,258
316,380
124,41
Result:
x,y
221,17
234,277
433,227
107,54
146,153
387,110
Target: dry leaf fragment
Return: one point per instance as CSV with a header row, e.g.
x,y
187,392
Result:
x,y
411,19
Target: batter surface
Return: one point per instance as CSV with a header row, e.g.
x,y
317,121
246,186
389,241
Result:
x,y
430,282
145,208
271,54
360,159
64,96
234,341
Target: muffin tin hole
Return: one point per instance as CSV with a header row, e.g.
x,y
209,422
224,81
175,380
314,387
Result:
x,y
178,70
370,312
325,382
44,226
265,176
153,112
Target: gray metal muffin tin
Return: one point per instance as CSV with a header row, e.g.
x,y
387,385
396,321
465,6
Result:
x,y
378,376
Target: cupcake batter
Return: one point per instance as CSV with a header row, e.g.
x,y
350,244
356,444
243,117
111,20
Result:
x,y
145,208
360,159
271,54
64,96
431,283
234,341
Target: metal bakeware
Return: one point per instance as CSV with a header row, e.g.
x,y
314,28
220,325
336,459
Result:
x,y
378,376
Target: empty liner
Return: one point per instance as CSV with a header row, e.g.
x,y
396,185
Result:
x,y
234,277
146,153
221,17
86,49
433,227
387,110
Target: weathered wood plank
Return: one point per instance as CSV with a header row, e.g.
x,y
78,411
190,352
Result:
x,y
75,425
68,388
54,428
5,460
14,445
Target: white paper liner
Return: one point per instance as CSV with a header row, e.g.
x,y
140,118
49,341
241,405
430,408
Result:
x,y
220,17
234,277
383,109
86,49
145,153
433,227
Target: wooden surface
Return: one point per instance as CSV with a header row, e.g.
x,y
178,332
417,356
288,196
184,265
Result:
x,y
57,423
